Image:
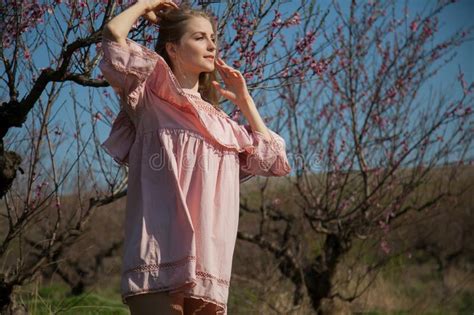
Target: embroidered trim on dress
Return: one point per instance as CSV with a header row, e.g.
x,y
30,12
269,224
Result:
x,y
207,141
176,264
150,267
209,108
273,143
205,275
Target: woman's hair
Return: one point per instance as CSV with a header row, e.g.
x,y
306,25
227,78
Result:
x,y
172,26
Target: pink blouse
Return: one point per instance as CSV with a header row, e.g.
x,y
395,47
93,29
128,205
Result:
x,y
186,160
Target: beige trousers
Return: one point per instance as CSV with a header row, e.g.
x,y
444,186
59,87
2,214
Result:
x,y
163,303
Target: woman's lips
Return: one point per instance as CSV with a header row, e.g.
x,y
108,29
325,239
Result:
x,y
210,58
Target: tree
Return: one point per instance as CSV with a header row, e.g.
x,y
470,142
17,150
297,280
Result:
x,y
367,138
54,160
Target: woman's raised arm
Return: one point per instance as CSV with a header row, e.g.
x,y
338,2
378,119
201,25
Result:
x,y
126,64
117,29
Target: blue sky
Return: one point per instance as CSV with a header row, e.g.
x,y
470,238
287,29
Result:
x,y
454,17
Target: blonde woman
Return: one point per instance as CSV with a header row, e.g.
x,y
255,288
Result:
x,y
186,158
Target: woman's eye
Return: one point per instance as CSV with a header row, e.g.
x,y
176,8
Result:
x,y
213,39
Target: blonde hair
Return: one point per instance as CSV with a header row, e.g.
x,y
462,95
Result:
x,y
172,26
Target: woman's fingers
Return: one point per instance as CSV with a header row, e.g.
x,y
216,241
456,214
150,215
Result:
x,y
222,68
226,72
222,65
172,4
168,4
220,88
221,72
151,16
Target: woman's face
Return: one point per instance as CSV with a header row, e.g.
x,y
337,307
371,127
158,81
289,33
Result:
x,y
197,51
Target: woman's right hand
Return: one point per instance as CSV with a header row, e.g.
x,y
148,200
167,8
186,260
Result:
x,y
155,6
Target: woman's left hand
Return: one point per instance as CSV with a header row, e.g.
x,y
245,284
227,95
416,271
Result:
x,y
236,88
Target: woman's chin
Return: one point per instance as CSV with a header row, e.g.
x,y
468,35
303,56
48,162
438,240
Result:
x,y
208,69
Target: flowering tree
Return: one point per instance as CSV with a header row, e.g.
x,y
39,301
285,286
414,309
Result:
x,y
347,96
366,138
45,159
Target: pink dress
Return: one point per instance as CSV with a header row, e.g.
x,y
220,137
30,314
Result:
x,y
186,160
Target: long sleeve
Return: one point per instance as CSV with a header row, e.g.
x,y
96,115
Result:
x,y
268,159
121,137
127,68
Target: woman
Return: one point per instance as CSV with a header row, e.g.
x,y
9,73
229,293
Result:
x,y
186,159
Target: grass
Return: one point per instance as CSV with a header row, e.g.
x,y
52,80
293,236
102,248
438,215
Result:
x,y
54,299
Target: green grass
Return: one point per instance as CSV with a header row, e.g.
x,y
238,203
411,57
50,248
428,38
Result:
x,y
54,299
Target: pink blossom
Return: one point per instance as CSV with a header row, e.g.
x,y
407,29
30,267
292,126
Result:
x,y
294,20
248,75
27,54
319,67
305,43
276,20
148,38
108,112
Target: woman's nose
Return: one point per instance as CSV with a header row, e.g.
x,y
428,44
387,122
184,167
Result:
x,y
212,46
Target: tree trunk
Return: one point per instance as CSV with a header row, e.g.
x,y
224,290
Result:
x,y
7,303
9,164
319,275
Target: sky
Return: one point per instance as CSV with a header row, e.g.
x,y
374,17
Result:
x,y
454,17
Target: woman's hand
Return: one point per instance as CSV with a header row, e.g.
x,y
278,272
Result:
x,y
236,89
153,6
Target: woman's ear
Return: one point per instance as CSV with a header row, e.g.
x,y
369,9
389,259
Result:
x,y
171,50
